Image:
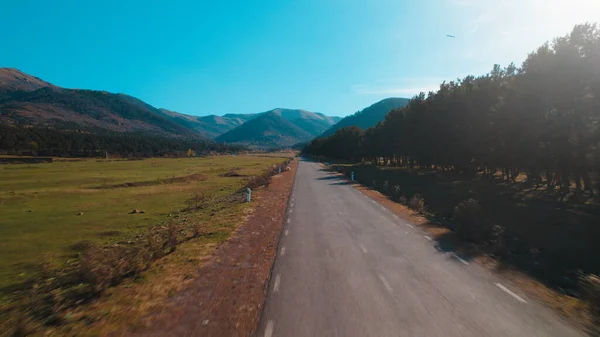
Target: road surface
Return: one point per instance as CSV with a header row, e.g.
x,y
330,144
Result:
x,y
346,266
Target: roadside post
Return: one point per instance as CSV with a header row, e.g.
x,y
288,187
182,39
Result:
x,y
248,194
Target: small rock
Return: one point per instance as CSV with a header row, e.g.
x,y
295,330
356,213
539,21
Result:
x,y
205,322
80,213
136,211
212,213
29,211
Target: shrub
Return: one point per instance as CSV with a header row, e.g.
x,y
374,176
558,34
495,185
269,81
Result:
x,y
385,187
198,200
469,222
417,203
591,290
258,181
172,241
395,192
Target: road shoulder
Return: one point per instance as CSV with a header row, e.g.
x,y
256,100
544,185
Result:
x,y
228,294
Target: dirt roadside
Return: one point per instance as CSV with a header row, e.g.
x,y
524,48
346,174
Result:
x,y
227,297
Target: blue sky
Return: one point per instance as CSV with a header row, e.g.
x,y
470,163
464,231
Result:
x,y
332,56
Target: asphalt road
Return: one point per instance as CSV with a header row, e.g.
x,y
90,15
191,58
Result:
x,y
346,266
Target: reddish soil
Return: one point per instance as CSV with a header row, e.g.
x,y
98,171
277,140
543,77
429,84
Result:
x,y
227,297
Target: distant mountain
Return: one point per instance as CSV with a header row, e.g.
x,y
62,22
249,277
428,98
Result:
x,y
279,128
29,101
209,126
368,117
269,129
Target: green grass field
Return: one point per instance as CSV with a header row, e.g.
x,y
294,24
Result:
x,y
47,208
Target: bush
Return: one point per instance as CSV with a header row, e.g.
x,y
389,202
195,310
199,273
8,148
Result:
x,y
417,203
395,192
468,222
197,201
591,290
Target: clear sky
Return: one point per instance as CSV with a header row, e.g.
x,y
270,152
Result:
x,y
241,56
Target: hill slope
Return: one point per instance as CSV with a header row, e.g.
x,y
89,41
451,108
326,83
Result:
x,y
368,117
311,122
28,101
14,79
269,129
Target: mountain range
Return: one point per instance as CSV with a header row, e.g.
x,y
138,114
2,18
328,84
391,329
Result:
x,y
26,100
369,116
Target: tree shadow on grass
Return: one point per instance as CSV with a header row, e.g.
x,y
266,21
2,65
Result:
x,y
331,177
548,236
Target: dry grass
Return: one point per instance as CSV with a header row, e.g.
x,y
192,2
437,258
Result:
x,y
60,292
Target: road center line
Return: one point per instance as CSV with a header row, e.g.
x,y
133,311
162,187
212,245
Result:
x,y
282,251
383,208
409,225
277,282
290,211
373,201
459,259
395,216
286,232
363,248
385,283
428,238
506,290
269,329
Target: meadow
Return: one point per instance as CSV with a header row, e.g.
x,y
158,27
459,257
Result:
x,y
50,211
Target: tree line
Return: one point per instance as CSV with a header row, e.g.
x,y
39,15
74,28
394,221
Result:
x,y
45,141
540,119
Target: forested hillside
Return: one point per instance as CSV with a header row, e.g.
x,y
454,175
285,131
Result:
x,y
369,116
44,141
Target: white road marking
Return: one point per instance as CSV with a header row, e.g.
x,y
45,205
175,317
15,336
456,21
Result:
x,y
373,201
282,251
409,225
292,204
428,238
506,290
383,208
276,285
269,329
459,259
395,216
289,220
363,248
340,213
286,232
385,283
291,211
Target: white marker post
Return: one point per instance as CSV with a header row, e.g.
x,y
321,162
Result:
x,y
248,194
